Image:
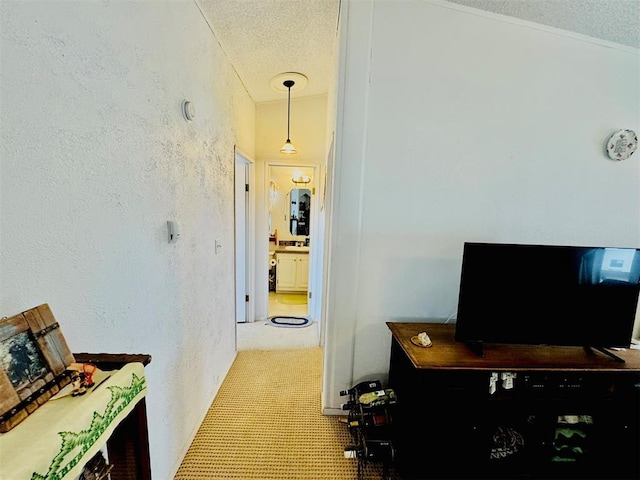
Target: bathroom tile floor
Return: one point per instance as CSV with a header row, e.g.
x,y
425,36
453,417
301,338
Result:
x,y
279,308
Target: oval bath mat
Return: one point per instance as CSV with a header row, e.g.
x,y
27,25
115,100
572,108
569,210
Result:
x,y
290,322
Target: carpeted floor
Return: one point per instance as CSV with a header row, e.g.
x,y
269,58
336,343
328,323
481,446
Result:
x,y
266,423
264,336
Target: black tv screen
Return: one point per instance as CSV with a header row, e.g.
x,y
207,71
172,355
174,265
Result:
x,y
548,295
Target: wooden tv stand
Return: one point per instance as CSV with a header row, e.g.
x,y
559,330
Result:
x,y
554,412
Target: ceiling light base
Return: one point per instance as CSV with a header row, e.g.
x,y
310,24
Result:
x,y
277,82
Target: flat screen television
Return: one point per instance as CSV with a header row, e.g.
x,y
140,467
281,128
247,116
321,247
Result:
x,y
547,295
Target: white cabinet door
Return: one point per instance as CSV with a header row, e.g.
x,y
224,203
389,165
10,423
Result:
x,y
292,273
302,272
286,272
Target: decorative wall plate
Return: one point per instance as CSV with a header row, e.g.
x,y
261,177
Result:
x,y
622,144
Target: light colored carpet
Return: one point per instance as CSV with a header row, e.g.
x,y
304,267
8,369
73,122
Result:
x,y
264,336
266,423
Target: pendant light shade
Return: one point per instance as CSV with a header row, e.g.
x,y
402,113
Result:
x,y
288,146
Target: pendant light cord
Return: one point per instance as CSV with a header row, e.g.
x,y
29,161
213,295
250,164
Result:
x,y
288,148
288,114
289,84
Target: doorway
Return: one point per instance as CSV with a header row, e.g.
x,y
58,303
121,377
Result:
x,y
291,206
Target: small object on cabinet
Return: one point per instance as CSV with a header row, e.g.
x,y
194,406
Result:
x,y
421,340
87,369
78,383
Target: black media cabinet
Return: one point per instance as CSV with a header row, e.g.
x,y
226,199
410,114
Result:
x,y
517,412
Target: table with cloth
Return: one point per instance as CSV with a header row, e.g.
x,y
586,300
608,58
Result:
x,y
60,437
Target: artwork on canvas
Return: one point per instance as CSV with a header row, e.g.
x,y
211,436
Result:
x,y
22,361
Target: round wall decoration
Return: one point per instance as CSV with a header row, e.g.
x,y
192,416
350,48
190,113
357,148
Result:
x,y
622,144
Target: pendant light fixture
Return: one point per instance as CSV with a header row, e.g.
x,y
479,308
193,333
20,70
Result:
x,y
288,147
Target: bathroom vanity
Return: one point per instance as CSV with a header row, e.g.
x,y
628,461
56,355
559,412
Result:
x,y
293,271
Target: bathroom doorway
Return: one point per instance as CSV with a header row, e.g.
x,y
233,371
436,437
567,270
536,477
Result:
x,y
292,220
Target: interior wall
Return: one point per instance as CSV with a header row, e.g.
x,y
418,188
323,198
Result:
x,y
96,157
455,126
308,129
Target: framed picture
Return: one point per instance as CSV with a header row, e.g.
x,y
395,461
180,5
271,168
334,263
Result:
x,y
34,357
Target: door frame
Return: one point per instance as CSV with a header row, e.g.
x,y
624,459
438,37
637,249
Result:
x,y
316,242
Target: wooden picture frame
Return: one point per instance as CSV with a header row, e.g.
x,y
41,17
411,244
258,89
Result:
x,y
34,357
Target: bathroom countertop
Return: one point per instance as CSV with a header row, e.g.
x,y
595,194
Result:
x,y
284,249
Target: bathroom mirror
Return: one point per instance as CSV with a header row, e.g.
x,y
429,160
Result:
x,y
299,209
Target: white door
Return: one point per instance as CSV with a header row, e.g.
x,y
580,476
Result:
x,y
245,238
241,193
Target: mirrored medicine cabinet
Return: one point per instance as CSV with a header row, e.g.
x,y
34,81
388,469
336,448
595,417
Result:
x,y
299,211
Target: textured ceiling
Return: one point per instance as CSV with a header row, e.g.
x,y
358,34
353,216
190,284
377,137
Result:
x,y
613,20
263,38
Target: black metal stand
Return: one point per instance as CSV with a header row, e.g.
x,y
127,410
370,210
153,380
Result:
x,y
370,429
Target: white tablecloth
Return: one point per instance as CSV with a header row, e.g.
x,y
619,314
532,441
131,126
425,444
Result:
x,y
56,441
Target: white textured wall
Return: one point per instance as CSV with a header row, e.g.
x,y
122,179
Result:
x,y
96,157
456,127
